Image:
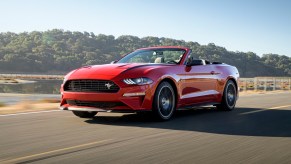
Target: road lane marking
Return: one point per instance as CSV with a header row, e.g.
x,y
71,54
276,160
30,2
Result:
x,y
261,110
53,151
278,107
255,111
16,114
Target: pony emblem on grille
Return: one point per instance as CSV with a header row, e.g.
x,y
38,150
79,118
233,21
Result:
x,y
108,85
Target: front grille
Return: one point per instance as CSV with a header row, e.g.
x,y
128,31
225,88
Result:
x,y
96,104
91,86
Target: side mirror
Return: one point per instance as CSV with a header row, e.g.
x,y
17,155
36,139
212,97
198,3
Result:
x,y
113,62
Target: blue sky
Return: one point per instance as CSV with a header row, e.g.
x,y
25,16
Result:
x,y
260,26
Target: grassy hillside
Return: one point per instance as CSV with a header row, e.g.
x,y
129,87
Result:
x,y
59,51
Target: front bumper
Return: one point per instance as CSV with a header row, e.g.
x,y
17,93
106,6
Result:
x,y
132,98
89,109
72,108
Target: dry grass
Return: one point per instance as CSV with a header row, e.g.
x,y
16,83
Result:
x,y
49,101
7,80
28,106
2,104
14,81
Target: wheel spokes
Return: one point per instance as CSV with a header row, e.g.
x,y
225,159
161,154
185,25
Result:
x,y
231,95
166,101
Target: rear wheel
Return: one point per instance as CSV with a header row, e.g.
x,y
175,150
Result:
x,y
84,114
164,101
229,97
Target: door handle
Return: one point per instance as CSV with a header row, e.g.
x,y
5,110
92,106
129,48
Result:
x,y
212,72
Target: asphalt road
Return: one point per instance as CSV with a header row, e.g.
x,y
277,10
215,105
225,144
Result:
x,y
258,131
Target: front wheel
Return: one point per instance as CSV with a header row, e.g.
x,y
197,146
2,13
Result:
x,y
84,114
164,101
229,97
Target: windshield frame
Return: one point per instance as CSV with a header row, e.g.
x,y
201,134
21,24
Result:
x,y
134,53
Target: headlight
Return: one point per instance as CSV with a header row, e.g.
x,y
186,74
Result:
x,y
138,81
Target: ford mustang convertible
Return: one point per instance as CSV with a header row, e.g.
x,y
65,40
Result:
x,y
156,79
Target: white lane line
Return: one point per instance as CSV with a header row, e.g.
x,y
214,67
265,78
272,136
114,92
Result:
x,y
15,160
261,110
255,111
16,114
279,107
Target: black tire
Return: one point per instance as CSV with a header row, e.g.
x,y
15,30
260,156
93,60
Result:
x,y
164,101
229,97
84,114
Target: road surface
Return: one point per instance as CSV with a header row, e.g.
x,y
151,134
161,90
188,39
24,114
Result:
x,y
258,131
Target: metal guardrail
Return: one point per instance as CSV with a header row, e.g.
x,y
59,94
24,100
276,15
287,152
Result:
x,y
265,83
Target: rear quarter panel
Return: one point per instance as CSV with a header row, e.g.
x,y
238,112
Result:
x,y
225,73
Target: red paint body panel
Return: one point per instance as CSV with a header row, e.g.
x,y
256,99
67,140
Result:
x,y
193,85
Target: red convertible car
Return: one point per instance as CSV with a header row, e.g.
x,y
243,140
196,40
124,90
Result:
x,y
158,79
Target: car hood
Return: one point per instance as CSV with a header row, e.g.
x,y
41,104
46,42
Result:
x,y
106,70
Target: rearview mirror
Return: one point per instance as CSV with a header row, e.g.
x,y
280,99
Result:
x,y
113,62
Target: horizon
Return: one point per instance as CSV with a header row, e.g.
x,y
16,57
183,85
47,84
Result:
x,y
260,27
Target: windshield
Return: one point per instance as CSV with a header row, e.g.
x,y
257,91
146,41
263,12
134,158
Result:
x,y
170,56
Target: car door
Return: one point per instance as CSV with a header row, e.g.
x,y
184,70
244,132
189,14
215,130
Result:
x,y
199,84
